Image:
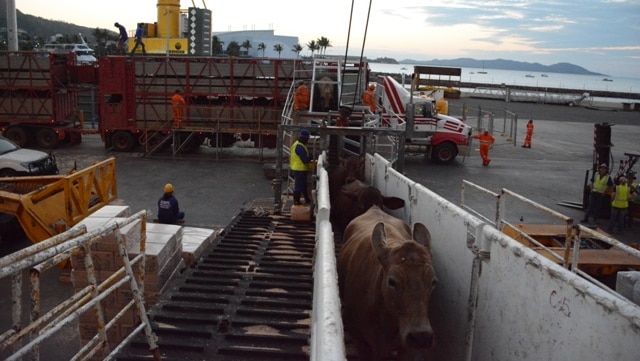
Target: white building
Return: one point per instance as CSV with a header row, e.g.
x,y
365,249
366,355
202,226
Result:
x,y
256,37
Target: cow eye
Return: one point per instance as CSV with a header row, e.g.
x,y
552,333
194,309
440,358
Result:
x,y
433,283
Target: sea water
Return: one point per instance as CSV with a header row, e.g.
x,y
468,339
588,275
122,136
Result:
x,y
501,77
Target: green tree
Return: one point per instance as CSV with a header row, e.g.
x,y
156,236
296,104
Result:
x,y
262,47
278,48
297,49
246,45
323,44
105,41
313,46
233,49
216,45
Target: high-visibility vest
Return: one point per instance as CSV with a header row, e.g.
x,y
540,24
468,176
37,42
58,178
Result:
x,y
295,162
621,200
600,183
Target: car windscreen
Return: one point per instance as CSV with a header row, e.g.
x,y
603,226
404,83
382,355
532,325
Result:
x,y
6,146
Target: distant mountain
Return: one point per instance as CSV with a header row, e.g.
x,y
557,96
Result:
x,y
565,68
40,27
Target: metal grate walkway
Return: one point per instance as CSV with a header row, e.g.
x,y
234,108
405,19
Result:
x,y
248,298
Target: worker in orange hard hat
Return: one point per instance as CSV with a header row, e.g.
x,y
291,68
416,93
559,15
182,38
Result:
x,y
168,208
486,140
369,98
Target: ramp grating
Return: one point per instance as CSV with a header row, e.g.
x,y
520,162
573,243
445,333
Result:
x,y
248,297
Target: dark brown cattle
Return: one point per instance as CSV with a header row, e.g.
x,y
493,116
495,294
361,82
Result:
x,y
348,170
386,278
354,199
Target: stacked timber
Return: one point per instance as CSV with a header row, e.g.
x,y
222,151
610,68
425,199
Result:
x,y
169,249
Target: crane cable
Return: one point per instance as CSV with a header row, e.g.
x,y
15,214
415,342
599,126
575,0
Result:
x,y
346,53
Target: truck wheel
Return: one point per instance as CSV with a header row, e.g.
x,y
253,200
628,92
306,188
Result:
x,y
444,153
122,141
17,135
47,138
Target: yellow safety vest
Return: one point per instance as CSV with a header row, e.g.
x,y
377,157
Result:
x,y
600,183
621,200
295,162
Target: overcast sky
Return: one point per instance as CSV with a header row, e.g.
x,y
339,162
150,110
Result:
x,y
600,35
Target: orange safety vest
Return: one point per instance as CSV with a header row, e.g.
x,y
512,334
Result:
x,y
301,98
369,100
485,139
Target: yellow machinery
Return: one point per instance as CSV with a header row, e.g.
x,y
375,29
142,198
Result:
x,y
48,205
163,37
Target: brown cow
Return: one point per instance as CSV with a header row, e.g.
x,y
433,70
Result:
x,y
354,199
386,278
326,92
348,170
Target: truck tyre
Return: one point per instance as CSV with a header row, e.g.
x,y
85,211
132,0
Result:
x,y
18,135
122,141
47,138
444,153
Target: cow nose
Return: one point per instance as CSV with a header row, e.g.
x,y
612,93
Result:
x,y
350,180
420,339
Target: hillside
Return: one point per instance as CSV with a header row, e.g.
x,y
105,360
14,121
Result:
x,y
44,28
504,64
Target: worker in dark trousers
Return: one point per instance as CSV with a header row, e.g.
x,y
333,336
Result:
x,y
598,198
138,38
300,164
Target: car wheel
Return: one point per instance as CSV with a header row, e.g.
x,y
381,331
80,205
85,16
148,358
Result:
x,y
123,141
444,153
18,135
47,138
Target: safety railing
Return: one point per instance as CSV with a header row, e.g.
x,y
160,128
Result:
x,y
21,340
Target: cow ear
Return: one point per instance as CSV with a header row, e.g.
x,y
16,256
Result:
x,y
421,235
379,241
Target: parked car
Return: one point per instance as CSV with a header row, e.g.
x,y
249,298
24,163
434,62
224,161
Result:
x,y
16,161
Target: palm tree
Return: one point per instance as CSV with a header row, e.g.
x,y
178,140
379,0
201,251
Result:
x,y
216,45
297,49
233,49
323,44
278,48
246,45
313,46
262,47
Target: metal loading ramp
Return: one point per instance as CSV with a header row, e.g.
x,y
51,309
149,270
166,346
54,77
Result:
x,y
249,297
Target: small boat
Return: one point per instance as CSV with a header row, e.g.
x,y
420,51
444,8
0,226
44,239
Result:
x,y
544,75
84,54
607,79
529,76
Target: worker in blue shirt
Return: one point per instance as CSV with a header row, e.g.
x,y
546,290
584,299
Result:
x,y
138,38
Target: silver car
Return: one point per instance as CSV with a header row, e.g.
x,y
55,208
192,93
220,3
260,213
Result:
x,y
16,161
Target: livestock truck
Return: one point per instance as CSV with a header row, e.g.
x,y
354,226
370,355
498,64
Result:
x,y
498,297
39,97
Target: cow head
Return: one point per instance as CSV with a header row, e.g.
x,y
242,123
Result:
x,y
407,283
353,168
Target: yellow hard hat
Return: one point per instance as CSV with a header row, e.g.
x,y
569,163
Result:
x,y
168,188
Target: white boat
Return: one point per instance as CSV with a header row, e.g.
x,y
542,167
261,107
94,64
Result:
x,y
84,54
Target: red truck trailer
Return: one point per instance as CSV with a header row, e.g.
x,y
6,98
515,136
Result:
x,y
38,97
226,97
